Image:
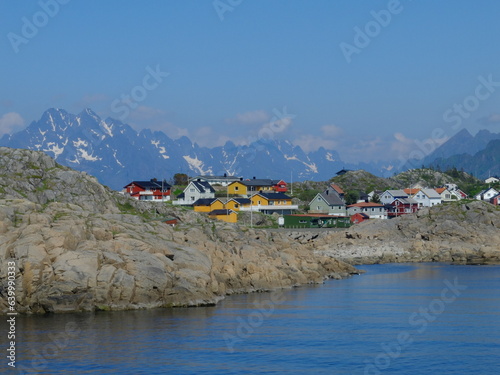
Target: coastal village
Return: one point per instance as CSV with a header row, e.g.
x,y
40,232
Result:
x,y
225,197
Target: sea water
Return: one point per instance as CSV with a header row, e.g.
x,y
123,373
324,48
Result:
x,y
394,319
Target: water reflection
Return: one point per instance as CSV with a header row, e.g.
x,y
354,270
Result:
x,y
337,328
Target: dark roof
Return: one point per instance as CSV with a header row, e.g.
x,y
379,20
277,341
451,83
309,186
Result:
x,y
151,184
241,200
343,171
181,196
362,214
409,201
274,195
259,182
204,202
332,198
203,186
221,212
207,177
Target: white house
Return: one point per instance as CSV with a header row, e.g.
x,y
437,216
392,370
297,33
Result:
x,y
486,195
492,180
195,190
427,197
454,190
390,196
373,210
217,180
446,195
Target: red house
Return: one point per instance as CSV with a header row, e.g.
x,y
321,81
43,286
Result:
x,y
279,186
359,218
402,206
152,190
495,200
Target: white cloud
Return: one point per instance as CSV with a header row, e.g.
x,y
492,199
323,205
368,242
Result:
x,y
331,130
249,118
492,119
10,123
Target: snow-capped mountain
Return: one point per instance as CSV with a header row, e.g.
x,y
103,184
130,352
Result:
x,y
117,154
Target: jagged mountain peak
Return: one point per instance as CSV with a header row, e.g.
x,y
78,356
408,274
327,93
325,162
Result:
x,y
116,153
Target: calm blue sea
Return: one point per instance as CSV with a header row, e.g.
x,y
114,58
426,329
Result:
x,y
395,319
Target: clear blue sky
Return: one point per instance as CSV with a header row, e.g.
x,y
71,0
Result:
x,y
227,76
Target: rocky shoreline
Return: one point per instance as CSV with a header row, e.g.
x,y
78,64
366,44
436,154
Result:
x,y
458,233
69,260
78,246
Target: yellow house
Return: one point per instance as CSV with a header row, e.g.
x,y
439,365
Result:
x,y
236,204
237,187
255,185
271,199
208,205
229,216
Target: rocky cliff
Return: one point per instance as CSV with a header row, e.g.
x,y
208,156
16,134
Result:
x,y
465,233
78,246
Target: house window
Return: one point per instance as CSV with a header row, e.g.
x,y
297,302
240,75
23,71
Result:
x,y
191,190
319,198
236,188
192,198
319,208
373,209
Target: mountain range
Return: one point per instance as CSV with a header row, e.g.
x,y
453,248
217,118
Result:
x,y
117,154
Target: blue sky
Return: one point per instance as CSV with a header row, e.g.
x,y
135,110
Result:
x,y
235,70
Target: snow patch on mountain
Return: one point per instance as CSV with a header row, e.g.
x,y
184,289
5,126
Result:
x,y
196,165
54,149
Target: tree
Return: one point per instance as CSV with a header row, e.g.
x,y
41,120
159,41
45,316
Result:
x,y
376,198
352,197
181,179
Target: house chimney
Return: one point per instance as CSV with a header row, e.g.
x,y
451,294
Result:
x,y
254,177
225,174
327,191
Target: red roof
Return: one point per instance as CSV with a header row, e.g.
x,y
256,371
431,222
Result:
x,y
411,191
337,188
366,204
316,215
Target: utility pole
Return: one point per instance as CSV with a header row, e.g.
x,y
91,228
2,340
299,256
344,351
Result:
x,y
251,213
